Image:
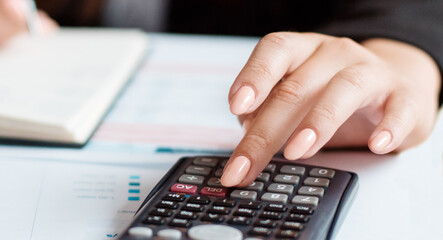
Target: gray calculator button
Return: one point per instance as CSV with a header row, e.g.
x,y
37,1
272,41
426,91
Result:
x,y
199,170
263,177
204,161
316,182
305,200
219,172
243,194
169,234
312,191
275,197
270,168
214,232
281,188
288,169
255,186
192,179
321,172
289,179
214,182
140,232
224,162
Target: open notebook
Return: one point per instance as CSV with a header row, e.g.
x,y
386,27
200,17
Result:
x,y
56,89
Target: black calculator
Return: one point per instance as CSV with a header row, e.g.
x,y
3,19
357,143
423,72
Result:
x,y
286,201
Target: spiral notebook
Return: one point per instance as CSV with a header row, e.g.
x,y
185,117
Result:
x,y
56,89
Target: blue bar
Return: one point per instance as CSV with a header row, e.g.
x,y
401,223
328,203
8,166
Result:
x,y
134,184
133,198
134,177
134,191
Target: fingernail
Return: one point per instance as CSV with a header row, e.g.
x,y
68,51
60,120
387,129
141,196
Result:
x,y
381,141
300,144
236,171
242,100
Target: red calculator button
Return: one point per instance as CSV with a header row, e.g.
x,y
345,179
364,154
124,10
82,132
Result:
x,y
213,191
184,188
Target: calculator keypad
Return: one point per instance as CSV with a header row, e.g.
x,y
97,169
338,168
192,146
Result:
x,y
278,204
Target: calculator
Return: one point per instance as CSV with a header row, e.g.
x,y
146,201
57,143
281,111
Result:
x,y
286,201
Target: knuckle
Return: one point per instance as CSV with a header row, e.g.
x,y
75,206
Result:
x,y
345,44
325,113
278,39
291,92
257,140
261,70
353,78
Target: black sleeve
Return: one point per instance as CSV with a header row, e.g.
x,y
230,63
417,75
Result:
x,y
416,22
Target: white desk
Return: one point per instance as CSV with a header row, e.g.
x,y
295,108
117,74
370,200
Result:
x,y
178,101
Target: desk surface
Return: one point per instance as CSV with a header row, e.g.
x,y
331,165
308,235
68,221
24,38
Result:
x,y
175,106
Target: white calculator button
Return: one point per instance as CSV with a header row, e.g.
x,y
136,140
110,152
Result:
x,y
170,234
140,232
214,232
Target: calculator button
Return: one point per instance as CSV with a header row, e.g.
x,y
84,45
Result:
x,y
281,188
260,231
218,172
156,220
191,179
263,177
214,182
246,212
167,204
250,204
177,222
213,218
287,234
199,199
317,182
297,217
170,234
276,207
174,197
275,197
321,172
186,215
223,163
184,188
240,220
140,232
214,192
210,232
255,186
219,210
305,200
204,161
243,194
161,212
303,210
198,170
312,191
292,226
225,203
270,168
288,169
195,207
271,215
289,179
266,223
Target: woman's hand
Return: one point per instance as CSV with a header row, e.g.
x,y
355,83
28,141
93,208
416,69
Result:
x,y
302,91
13,19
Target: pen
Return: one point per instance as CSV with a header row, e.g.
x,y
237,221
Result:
x,y
32,18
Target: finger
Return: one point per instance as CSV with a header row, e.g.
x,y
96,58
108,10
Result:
x,y
48,24
398,122
347,91
274,56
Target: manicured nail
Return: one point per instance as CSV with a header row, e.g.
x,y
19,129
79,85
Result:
x,y
300,144
242,100
381,141
235,171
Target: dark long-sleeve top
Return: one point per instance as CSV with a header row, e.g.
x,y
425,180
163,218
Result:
x,y
416,22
